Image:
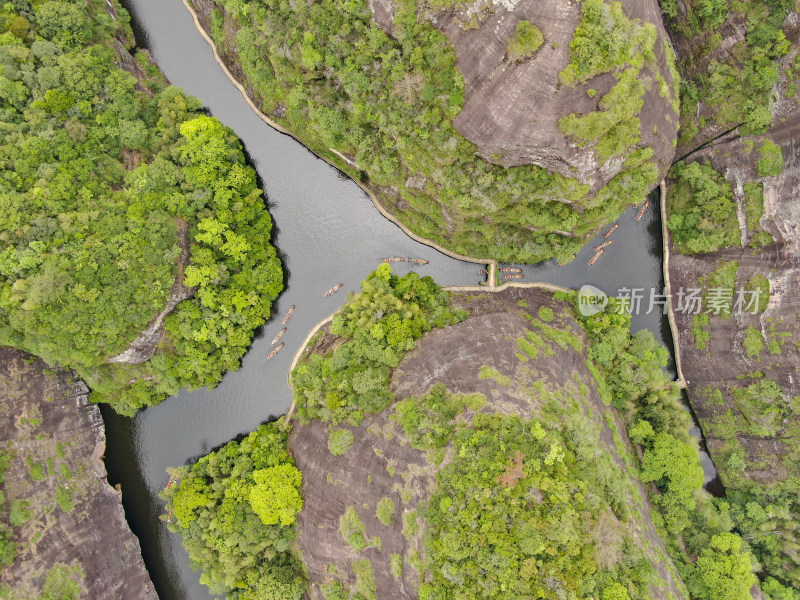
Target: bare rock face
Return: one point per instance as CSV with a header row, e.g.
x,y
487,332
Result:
x,y
68,516
512,109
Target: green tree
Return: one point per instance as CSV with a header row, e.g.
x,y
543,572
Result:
x,y
723,571
275,497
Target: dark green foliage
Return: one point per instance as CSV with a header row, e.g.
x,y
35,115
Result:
x,y
380,325
526,41
100,181
737,83
702,214
328,73
605,40
235,510
633,369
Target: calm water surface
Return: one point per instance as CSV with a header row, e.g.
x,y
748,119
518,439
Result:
x,y
327,231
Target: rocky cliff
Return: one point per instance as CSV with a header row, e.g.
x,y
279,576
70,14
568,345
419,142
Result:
x,y
513,108
742,368
68,523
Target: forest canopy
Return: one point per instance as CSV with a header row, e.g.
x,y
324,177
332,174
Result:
x,y
117,196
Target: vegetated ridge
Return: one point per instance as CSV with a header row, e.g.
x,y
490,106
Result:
x,y
135,239
504,130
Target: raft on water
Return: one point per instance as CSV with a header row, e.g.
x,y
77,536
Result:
x,y
513,276
603,245
418,261
596,256
641,212
610,231
394,259
288,314
277,337
510,270
333,290
274,352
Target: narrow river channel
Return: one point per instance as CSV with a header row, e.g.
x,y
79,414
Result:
x,y
327,231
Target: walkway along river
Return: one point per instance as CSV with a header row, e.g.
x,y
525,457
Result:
x,y
327,231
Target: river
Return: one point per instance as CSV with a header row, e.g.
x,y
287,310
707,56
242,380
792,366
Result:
x,y
327,231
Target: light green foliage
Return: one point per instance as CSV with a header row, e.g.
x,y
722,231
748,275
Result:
x,y
352,529
482,513
761,408
526,41
606,40
235,510
105,180
8,547
339,440
702,214
615,591
722,281
723,570
700,335
753,341
771,161
615,127
754,210
396,566
546,314
411,524
380,325
64,582
275,497
365,579
385,511
675,466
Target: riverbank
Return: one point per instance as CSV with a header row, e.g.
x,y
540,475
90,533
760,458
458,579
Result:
x,y
488,261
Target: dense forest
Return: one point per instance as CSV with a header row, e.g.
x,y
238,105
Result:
x,y
120,197
338,81
539,543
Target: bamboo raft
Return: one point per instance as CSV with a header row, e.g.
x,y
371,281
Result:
x,y
610,231
510,270
513,276
277,337
641,212
603,245
596,256
394,259
274,352
333,290
418,261
288,315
